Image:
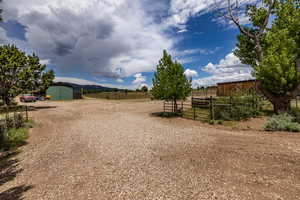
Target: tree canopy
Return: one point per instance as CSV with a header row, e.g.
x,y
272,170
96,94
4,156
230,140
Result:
x,y
169,82
273,50
144,88
20,73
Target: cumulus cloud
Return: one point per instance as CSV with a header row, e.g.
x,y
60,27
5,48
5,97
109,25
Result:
x,y
111,38
228,69
139,79
189,73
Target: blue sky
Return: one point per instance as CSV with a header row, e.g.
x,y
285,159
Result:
x,y
118,43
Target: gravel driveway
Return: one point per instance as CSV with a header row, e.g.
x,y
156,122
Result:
x,y
98,149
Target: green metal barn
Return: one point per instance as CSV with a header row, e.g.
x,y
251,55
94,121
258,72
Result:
x,y
60,92
64,91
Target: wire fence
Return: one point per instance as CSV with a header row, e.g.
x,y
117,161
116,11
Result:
x,y
7,111
222,108
214,108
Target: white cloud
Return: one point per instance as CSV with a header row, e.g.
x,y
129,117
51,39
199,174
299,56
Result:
x,y
228,69
190,73
182,10
119,80
139,79
86,82
75,81
196,51
191,55
45,61
110,38
182,31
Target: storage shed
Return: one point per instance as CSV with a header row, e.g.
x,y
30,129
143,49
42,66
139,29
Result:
x,y
63,91
229,88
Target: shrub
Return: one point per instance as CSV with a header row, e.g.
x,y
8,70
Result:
x,y
18,120
16,137
283,122
296,114
242,107
13,131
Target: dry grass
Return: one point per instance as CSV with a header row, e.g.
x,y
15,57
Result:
x,y
119,95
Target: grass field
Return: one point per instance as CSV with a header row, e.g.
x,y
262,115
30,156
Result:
x,y
119,95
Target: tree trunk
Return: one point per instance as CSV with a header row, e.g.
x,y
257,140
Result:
x,y
175,106
6,99
281,105
259,50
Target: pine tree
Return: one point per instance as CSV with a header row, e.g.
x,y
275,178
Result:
x,y
169,82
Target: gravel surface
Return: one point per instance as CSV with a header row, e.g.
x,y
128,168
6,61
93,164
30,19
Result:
x,y
98,149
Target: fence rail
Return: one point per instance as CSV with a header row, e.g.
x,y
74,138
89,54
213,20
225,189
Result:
x,y
209,108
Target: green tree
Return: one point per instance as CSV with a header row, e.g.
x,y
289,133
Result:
x,y
144,88
21,73
169,82
273,50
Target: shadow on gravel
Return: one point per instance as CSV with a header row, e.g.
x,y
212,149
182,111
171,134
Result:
x,y
9,168
165,114
15,193
34,108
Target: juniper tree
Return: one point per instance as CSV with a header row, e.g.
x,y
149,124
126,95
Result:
x,y
21,73
169,82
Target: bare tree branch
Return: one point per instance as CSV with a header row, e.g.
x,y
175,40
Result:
x,y
235,20
265,24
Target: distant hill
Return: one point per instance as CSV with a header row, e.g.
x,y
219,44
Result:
x,y
87,87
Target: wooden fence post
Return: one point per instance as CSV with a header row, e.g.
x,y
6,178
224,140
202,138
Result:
x,y
164,106
172,110
26,110
230,102
211,108
194,112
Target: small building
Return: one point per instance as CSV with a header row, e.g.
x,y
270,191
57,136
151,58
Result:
x,y
230,88
63,91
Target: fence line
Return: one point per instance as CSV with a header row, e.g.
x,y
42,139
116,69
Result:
x,y
15,109
204,108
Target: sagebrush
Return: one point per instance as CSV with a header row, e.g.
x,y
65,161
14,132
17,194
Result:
x,y
283,122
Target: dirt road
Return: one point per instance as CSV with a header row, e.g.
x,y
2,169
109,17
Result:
x,y
97,149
